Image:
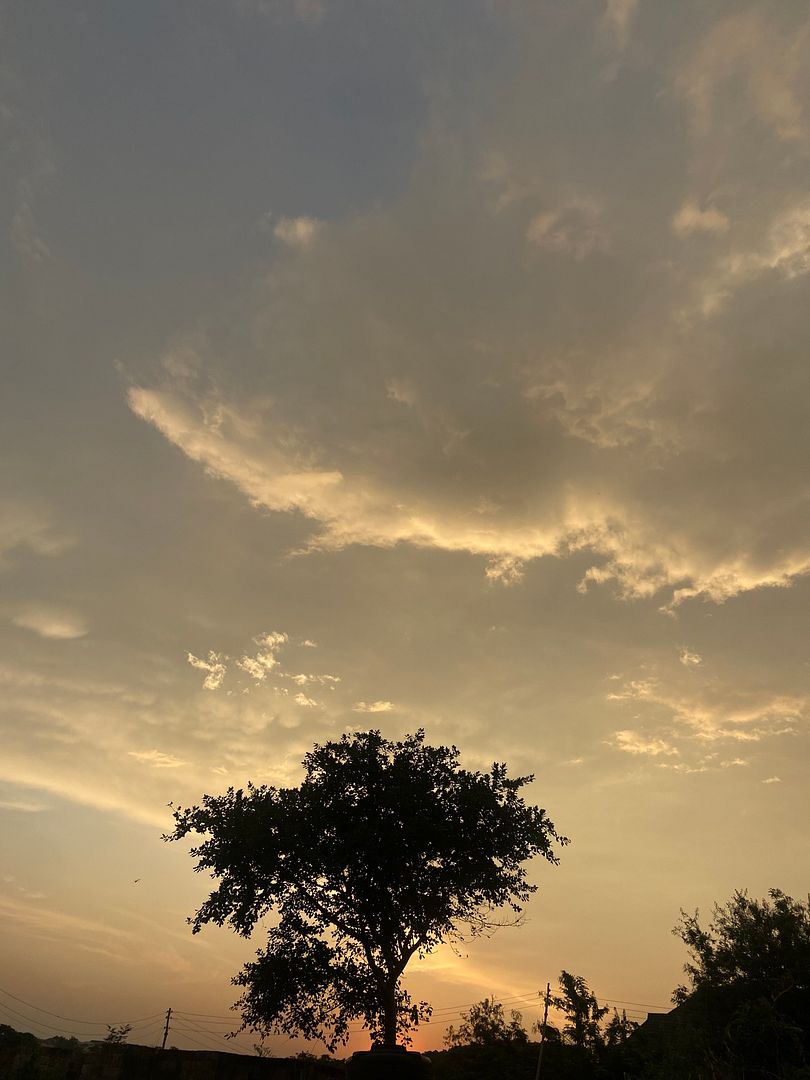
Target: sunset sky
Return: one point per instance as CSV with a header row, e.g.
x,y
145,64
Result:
x,y
399,364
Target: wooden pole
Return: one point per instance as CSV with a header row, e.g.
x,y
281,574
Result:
x,y
543,1032
166,1028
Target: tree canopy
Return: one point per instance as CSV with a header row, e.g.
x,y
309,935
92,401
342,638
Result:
x,y
385,850
765,943
485,1024
583,1013
748,1005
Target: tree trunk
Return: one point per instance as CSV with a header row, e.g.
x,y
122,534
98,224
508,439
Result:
x,y
389,1004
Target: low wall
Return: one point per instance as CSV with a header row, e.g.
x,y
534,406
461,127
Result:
x,y
147,1063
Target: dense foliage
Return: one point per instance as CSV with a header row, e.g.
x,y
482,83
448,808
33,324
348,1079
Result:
x,y
385,850
746,1012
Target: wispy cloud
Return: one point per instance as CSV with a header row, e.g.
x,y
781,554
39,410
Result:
x,y
574,229
24,806
635,742
51,622
692,219
215,667
692,722
300,232
156,758
25,526
689,658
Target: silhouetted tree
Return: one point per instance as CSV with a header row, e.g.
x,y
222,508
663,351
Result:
x,y
617,1029
486,1043
385,850
485,1025
583,1013
762,943
749,998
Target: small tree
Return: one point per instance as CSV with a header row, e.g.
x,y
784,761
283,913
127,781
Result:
x,y
583,1013
749,999
385,850
485,1025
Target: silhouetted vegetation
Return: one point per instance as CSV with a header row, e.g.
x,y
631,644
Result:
x,y
746,1010
385,850
588,1046
744,1015
117,1033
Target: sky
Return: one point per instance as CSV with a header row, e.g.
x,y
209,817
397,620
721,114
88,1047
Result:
x,y
432,365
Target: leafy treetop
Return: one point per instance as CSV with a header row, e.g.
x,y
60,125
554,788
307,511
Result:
x,y
385,850
762,943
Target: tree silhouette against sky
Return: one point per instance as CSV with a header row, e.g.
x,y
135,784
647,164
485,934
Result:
x,y
385,850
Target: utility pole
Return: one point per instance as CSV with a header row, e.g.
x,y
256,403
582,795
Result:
x,y
166,1028
543,1032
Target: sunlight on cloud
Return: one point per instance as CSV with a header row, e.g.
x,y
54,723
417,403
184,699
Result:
x,y
373,706
634,742
266,659
692,219
785,252
640,549
690,720
214,666
51,622
688,658
300,232
156,759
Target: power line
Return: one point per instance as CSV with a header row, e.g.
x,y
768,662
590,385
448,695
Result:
x,y
183,1030
41,1023
205,1024
72,1019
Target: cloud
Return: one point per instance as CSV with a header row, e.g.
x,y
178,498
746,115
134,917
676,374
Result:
x,y
50,923
300,232
303,679
784,252
306,702
265,660
400,390
25,526
691,219
693,722
772,780
24,806
640,544
616,20
156,758
689,659
634,742
214,665
747,54
574,229
552,373
505,570
373,706
50,622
